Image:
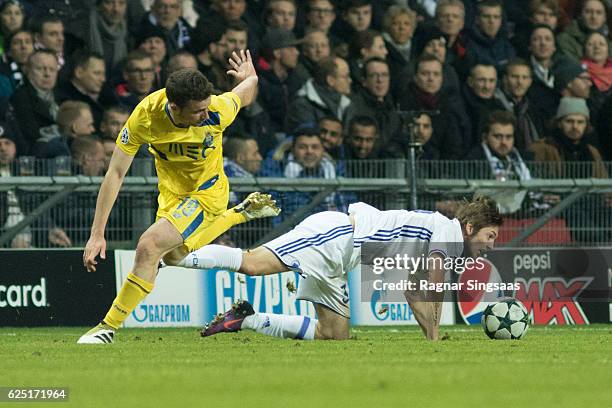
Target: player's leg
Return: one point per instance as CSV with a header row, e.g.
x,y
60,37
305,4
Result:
x,y
330,325
156,241
253,262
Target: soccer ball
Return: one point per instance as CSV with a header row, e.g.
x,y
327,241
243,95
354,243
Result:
x,y
506,319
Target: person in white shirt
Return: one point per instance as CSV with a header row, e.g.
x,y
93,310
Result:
x,y
326,246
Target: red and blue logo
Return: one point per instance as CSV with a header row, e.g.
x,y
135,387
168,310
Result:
x,y
472,302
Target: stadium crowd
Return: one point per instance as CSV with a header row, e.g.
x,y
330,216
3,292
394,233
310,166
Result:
x,y
342,84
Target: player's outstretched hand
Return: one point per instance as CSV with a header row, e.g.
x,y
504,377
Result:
x,y
242,65
95,246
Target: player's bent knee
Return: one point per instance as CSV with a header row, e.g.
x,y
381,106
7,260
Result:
x,y
147,248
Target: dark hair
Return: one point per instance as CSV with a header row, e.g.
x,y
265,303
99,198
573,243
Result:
x,y
516,62
115,109
426,58
538,26
327,67
235,145
349,4
481,212
205,33
7,40
366,64
237,25
488,3
186,85
362,39
37,23
362,120
330,118
80,58
498,117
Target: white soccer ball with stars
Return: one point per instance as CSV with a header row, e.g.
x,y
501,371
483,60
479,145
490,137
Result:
x,y
505,320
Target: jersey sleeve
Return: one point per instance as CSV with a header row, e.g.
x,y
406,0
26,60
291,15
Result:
x,y
227,105
444,238
136,131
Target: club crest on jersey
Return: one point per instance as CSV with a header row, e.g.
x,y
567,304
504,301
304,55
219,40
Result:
x,y
125,136
207,143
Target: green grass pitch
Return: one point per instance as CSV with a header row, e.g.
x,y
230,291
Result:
x,y
379,367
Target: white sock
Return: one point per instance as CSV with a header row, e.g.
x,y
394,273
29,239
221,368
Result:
x,y
213,256
283,326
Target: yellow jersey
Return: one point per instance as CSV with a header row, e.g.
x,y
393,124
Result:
x,y
188,160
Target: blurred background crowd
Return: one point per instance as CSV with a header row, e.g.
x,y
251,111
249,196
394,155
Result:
x,y
344,85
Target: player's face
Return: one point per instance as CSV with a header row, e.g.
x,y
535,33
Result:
x,y
477,242
193,113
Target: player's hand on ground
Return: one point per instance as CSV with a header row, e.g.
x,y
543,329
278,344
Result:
x,y
242,65
95,246
58,237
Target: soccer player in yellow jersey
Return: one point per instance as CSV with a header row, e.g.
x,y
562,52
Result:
x,y
183,126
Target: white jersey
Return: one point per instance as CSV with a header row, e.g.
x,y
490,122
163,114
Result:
x,y
432,230
325,246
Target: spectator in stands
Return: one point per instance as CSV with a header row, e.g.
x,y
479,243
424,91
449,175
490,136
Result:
x,y
150,40
305,159
479,96
15,205
278,81
88,156
181,60
11,19
85,83
139,77
167,15
255,120
49,34
226,11
236,36
327,94
573,80
105,31
513,96
433,42
487,43
541,12
112,122
544,60
570,155
423,94
332,136
281,14
592,16
568,140
597,61
356,16
360,142
17,48
241,159
503,162
315,48
374,100
364,45
209,45
399,24
450,19
34,102
12,211
320,15
74,120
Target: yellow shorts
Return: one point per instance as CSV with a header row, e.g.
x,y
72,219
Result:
x,y
193,218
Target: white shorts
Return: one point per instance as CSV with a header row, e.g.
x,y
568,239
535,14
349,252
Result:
x,y
320,248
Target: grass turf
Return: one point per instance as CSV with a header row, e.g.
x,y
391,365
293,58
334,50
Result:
x,y
379,367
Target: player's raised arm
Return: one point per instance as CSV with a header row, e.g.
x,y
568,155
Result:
x,y
96,245
244,72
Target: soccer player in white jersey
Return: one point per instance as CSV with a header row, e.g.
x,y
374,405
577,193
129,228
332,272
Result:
x,y
326,246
